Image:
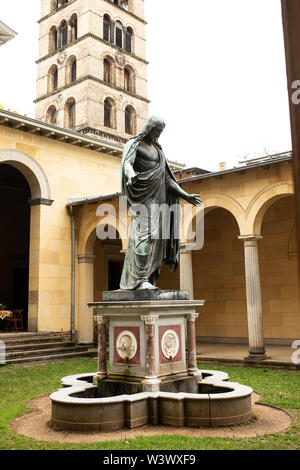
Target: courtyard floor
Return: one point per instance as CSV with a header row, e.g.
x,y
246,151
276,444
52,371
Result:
x,y
280,356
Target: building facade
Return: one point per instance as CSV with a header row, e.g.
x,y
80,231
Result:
x,y
56,185
92,68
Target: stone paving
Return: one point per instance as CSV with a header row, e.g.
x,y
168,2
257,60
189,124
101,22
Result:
x,y
277,355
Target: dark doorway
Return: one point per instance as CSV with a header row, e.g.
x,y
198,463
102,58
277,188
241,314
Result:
x,y
114,274
14,240
20,292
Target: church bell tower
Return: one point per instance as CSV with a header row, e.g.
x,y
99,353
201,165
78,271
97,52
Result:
x,y
92,68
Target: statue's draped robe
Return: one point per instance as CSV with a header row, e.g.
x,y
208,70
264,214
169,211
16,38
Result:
x,y
148,246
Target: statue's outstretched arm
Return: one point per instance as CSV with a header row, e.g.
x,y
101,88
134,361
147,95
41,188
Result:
x,y
175,189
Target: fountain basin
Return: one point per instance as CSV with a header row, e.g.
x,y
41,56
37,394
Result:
x,y
77,407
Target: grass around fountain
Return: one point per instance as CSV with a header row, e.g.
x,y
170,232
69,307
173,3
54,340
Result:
x,y
20,384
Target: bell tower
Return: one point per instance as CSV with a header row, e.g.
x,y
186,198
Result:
x,y
92,68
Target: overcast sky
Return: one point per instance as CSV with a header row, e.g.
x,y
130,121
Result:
x,y
216,75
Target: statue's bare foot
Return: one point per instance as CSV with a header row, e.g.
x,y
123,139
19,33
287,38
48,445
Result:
x,y
146,285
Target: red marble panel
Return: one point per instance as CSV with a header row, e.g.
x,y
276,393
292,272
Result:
x,y
161,331
135,330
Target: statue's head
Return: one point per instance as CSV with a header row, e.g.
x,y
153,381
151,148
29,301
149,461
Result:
x,y
153,128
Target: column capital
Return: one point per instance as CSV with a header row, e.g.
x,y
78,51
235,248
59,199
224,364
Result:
x,y
85,259
150,319
100,319
192,316
250,238
185,248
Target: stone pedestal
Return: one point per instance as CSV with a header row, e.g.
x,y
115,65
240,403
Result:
x,y
147,341
148,380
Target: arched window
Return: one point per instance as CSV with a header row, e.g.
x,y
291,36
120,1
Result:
x,y
126,79
53,79
107,72
119,34
71,70
129,79
109,113
70,113
53,39
73,25
128,39
130,120
106,28
52,115
63,33
74,71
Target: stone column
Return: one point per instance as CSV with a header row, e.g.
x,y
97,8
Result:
x,y
102,356
69,33
112,31
186,270
191,343
151,382
86,294
254,302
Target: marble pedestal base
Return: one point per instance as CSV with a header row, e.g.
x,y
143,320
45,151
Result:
x,y
148,339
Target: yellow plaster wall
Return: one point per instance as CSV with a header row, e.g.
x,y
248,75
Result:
x,y
71,172
279,271
168,280
218,271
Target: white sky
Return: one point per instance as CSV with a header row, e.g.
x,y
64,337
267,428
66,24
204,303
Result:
x,y
216,75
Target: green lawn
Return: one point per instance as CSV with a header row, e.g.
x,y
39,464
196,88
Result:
x,y
20,384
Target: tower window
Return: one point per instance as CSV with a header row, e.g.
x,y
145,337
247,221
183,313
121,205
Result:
x,y
71,114
53,40
130,120
71,70
106,28
107,71
52,115
53,79
119,34
74,71
126,79
129,79
128,39
64,33
73,25
109,113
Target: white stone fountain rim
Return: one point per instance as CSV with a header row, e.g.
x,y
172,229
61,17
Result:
x,y
74,384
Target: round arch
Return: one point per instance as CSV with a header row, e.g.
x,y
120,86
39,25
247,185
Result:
x,y
261,202
88,238
214,201
31,170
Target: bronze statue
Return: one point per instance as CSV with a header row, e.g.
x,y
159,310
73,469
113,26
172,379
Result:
x,y
149,185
